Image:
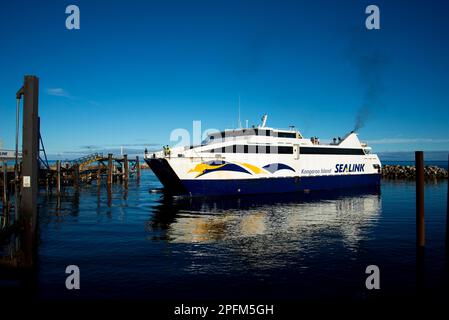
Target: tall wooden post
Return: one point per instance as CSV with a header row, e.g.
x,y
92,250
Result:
x,y
109,169
420,227
30,149
447,211
125,167
30,167
137,167
5,185
58,178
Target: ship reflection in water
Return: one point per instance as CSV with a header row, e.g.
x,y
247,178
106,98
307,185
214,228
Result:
x,y
269,229
132,243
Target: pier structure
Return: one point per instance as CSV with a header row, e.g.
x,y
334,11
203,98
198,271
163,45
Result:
x,y
24,172
87,169
72,173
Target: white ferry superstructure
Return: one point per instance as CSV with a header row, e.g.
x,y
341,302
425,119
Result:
x,y
265,160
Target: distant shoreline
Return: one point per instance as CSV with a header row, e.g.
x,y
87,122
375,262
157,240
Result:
x,y
404,156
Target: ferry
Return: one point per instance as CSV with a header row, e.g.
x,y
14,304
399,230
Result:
x,y
260,159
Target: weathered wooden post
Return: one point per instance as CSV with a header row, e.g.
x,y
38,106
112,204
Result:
x,y
109,169
125,167
137,168
5,184
30,167
76,176
58,178
420,227
447,211
66,174
30,148
99,174
109,193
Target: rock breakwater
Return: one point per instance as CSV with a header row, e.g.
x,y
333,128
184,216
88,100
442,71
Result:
x,y
409,172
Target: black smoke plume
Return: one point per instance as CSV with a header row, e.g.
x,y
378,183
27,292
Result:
x,y
365,55
370,68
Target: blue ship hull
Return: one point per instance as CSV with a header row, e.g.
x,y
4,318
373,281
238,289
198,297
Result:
x,y
202,187
279,185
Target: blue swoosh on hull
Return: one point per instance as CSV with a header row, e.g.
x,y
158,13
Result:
x,y
226,167
273,167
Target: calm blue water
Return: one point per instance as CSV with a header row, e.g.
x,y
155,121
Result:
x,y
138,244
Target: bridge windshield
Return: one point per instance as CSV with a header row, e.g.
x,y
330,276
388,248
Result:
x,y
239,133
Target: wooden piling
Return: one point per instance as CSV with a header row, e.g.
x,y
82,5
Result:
x,y
30,150
125,167
58,178
109,194
137,167
99,174
109,169
76,176
5,185
447,212
30,169
420,227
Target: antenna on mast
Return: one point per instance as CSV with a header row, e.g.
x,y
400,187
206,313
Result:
x,y
240,123
264,121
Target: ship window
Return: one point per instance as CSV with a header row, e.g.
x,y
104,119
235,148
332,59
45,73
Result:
x,y
285,150
346,151
286,134
263,132
238,148
252,149
263,149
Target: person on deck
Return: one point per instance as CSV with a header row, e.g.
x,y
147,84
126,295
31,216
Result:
x,y
168,151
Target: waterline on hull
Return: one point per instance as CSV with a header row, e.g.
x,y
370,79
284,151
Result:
x,y
279,185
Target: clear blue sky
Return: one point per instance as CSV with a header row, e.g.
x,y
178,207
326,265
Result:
x,y
136,70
